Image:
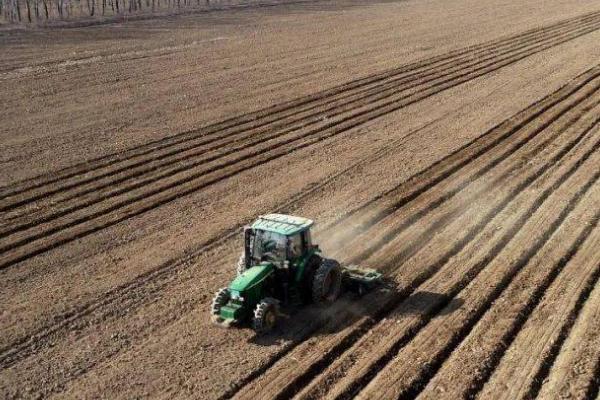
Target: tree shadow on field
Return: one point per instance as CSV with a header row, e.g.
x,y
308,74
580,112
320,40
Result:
x,y
385,302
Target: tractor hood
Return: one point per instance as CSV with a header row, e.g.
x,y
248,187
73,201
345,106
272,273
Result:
x,y
251,277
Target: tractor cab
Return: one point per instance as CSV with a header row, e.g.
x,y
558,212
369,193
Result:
x,y
280,239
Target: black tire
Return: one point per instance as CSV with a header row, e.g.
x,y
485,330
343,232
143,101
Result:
x,y
327,282
309,273
265,315
241,264
221,298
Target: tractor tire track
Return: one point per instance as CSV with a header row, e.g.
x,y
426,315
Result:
x,y
298,353
15,354
24,246
577,366
292,107
406,381
543,334
151,283
249,137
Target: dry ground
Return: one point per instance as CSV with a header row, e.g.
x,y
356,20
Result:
x,y
451,144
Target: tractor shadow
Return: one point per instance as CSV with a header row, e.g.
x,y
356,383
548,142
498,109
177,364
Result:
x,y
304,323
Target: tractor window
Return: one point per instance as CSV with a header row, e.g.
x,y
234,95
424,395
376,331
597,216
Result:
x,y
296,247
306,239
269,244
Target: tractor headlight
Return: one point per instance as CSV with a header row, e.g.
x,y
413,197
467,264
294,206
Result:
x,y
235,295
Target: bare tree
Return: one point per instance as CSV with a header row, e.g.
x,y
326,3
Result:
x,y
18,9
45,8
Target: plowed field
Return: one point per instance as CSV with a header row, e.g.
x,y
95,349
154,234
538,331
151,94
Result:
x,y
456,151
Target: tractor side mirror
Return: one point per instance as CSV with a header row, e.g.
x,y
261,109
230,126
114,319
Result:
x,y
248,242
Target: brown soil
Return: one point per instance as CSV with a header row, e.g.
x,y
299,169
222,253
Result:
x,y
577,364
453,148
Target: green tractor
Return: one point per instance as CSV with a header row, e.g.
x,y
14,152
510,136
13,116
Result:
x,y
281,267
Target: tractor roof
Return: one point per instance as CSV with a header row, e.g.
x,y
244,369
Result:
x,y
283,224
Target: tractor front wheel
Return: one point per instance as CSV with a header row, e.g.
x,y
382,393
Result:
x,y
221,298
265,315
327,282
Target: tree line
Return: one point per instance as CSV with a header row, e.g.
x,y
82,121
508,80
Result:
x,y
39,11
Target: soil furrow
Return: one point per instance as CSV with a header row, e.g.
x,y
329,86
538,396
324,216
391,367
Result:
x,y
292,105
128,208
549,358
388,203
128,289
372,242
278,375
394,378
480,351
111,174
573,372
133,294
593,392
122,295
467,174
476,252
545,341
500,322
533,346
177,156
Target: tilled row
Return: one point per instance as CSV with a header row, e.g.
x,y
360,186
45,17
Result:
x,y
576,371
479,353
555,117
469,261
434,343
577,93
146,287
524,366
99,207
271,116
277,379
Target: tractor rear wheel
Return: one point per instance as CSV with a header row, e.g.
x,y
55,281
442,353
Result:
x,y
312,265
265,315
221,298
327,282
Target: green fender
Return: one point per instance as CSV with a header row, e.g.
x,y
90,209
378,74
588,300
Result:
x,y
302,264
